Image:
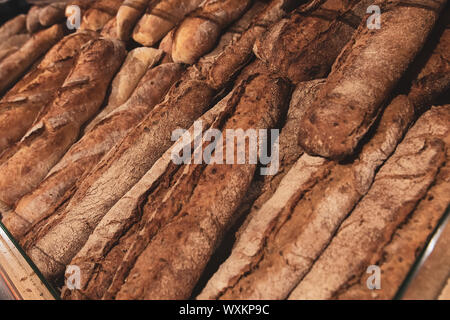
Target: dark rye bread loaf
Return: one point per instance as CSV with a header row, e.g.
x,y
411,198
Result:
x,y
290,230
398,187
364,75
88,151
112,248
79,98
305,45
14,66
191,229
20,107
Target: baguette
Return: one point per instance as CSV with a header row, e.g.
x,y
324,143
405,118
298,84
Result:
x,y
160,18
83,155
305,45
190,228
363,76
105,258
12,67
20,108
132,157
128,15
400,253
199,32
51,14
434,78
99,13
238,54
126,80
12,44
298,221
14,26
398,187
262,189
79,98
232,34
33,23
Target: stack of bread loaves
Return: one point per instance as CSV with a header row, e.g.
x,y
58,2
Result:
x,y
360,176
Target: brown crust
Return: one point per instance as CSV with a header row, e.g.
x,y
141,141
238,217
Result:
x,y
363,76
20,107
13,67
398,187
195,224
77,100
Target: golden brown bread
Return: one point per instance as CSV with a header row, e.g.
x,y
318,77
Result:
x,y
77,101
85,154
21,106
199,32
131,157
99,13
128,15
124,83
12,44
13,67
161,17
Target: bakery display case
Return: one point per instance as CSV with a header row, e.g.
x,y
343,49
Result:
x,y
224,150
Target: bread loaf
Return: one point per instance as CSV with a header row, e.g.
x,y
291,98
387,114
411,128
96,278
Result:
x,y
33,23
305,45
300,218
99,13
109,244
132,157
77,101
128,15
161,17
12,67
21,106
52,13
187,229
232,34
12,44
88,151
14,26
400,253
398,187
199,32
237,55
126,80
363,76
433,79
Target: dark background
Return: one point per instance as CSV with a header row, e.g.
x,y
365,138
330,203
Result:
x,y
11,8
